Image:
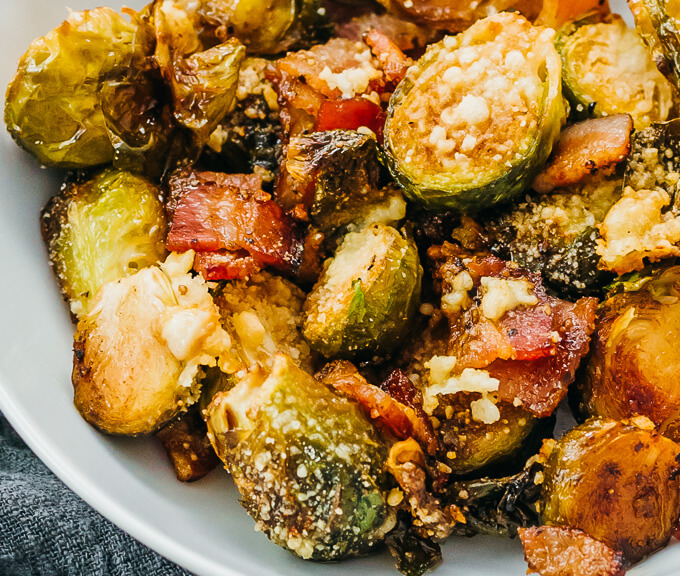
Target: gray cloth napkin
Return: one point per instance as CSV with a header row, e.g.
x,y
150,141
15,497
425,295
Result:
x,y
45,529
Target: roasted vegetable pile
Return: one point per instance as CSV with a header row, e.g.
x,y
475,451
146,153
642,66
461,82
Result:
x,y
361,255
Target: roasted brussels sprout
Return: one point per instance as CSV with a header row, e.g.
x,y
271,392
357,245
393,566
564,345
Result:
x,y
202,82
606,69
367,295
476,117
644,225
617,482
309,466
657,23
343,169
52,105
468,446
632,367
555,234
265,27
139,349
100,230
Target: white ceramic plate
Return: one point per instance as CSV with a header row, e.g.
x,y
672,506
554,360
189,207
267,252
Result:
x,y
200,526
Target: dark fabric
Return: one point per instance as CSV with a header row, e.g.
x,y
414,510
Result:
x,y
45,529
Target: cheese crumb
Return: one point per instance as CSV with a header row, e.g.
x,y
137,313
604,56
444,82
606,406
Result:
x,y
501,295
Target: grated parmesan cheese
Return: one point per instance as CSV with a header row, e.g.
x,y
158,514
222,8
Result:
x,y
500,295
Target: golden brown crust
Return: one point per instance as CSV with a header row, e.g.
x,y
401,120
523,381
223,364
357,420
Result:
x,y
558,551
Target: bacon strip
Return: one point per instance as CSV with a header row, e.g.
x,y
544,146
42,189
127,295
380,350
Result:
x,y
400,420
585,148
392,61
560,551
220,213
533,351
525,333
541,384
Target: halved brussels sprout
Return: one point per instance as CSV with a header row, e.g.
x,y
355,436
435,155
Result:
x,y
139,349
343,168
555,234
476,117
617,482
265,27
309,465
471,447
367,295
644,225
632,367
606,69
101,230
52,105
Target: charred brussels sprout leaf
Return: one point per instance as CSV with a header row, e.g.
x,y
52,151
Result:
x,y
250,134
52,107
367,295
202,83
310,467
660,28
344,170
415,555
607,70
265,27
102,230
161,313
499,506
460,133
616,482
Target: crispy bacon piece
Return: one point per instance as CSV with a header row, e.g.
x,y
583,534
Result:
x,y
525,333
392,61
559,551
533,351
186,443
541,384
585,148
220,213
351,114
400,419
306,79
407,36
225,265
338,55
